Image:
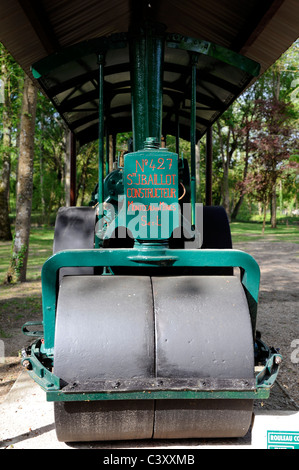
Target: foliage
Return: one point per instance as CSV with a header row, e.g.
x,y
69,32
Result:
x,y
270,145
256,142
40,249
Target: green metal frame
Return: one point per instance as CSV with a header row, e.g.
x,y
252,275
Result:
x,y
154,389
132,257
177,41
120,40
146,59
40,360
145,62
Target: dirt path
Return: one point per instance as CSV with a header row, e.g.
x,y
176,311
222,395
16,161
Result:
x,y
278,308
18,304
278,313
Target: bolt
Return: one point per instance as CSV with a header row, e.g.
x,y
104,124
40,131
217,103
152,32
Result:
x,y
151,143
27,365
277,360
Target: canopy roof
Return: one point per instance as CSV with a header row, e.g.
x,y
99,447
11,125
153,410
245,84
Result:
x,y
36,32
70,79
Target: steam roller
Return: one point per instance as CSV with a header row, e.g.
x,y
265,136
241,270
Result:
x,y
149,314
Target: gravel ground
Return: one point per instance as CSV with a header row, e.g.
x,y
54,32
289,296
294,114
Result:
x,y
278,307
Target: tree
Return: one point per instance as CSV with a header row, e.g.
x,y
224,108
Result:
x,y
234,129
237,129
87,171
271,147
18,265
5,231
227,146
11,79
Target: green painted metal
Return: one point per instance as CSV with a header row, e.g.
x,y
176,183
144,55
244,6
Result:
x,y
132,257
37,370
159,388
35,333
151,183
158,395
266,378
96,46
65,75
177,41
146,61
113,186
107,152
120,41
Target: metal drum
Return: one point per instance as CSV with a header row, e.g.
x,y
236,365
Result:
x,y
104,329
122,327
203,330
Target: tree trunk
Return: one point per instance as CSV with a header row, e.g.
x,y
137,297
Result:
x,y
197,167
273,207
84,176
264,218
18,266
67,167
5,231
237,207
225,167
225,188
245,172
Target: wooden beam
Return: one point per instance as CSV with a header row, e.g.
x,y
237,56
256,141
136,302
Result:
x,y
39,21
255,24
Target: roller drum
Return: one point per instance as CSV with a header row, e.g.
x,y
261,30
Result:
x,y
104,329
74,229
122,327
203,330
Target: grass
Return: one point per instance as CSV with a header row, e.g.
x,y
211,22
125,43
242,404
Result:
x,y
40,248
22,302
41,241
249,231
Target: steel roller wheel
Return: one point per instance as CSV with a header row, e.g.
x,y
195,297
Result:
x,y
74,229
203,330
104,330
115,327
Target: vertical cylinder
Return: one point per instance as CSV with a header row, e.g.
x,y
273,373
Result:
x,y
146,58
177,137
107,152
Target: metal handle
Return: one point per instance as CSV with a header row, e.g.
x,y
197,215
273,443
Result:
x,y
36,334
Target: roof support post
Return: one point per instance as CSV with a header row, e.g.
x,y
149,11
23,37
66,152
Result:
x,y
146,58
177,136
194,60
107,151
101,129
